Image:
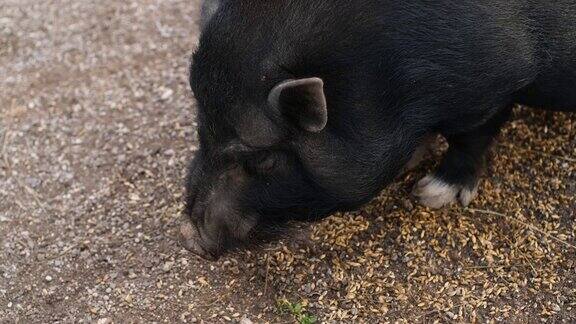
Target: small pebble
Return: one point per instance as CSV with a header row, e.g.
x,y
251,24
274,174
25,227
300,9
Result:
x,y
167,266
245,320
167,94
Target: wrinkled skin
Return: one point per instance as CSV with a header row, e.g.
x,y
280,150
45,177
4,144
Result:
x,y
303,111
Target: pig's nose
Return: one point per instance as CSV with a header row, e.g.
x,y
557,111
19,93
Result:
x,y
190,241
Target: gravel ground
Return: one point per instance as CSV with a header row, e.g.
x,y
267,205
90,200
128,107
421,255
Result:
x,y
96,126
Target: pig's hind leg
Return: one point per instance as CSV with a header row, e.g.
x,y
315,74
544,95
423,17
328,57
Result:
x,y
457,178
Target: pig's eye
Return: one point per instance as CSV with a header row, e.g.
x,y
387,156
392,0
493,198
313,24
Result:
x,y
262,164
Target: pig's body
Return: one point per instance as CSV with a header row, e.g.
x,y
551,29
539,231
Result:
x,y
390,73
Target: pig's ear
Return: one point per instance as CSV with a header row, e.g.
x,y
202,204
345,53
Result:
x,y
302,102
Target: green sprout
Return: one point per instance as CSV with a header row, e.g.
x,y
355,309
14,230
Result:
x,y
296,310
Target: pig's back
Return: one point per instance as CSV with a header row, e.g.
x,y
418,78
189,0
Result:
x,y
554,27
526,47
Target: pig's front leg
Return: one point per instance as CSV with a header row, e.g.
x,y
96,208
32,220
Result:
x,y
457,178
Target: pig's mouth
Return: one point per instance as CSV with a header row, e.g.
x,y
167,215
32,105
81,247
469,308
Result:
x,y
260,235
191,240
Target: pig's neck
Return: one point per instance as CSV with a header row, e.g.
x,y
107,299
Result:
x,y
367,162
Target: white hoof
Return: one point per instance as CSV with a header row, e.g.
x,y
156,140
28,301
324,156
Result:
x,y
435,193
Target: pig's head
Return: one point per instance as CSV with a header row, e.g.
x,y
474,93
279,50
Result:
x,y
276,142
249,177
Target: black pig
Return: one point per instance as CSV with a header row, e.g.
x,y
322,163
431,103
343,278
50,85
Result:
x,y
310,107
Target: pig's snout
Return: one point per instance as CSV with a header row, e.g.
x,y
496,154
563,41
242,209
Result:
x,y
191,241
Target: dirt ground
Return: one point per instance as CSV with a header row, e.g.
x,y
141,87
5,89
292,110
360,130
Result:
x,y
96,127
